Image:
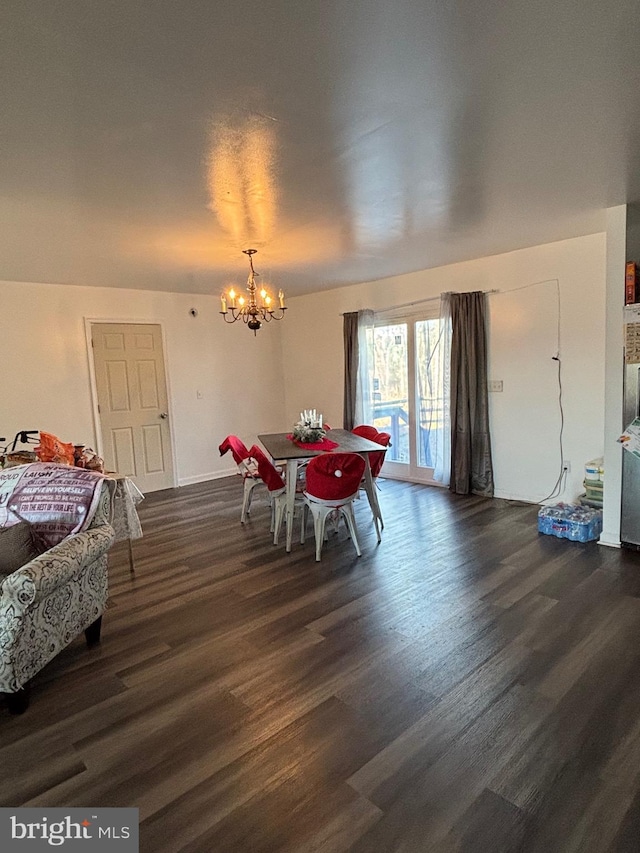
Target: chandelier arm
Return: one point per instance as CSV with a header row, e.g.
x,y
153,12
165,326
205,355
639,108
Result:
x,y
278,316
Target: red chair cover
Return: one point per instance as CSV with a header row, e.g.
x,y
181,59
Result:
x,y
376,460
236,446
266,469
334,476
366,431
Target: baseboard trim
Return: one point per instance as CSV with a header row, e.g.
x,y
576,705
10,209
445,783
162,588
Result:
x,y
203,478
509,496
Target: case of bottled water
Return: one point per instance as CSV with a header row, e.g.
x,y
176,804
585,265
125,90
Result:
x,y
578,523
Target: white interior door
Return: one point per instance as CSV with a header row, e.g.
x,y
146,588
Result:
x,y
133,402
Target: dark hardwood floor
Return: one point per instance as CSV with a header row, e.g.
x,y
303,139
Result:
x,y
467,685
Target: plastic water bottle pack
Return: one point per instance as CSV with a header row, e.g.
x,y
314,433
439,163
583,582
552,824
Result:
x,y
578,523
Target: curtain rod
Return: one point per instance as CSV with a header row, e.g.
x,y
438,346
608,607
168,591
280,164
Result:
x,y
411,304
489,292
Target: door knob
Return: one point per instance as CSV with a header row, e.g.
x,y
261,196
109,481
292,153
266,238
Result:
x,y
164,415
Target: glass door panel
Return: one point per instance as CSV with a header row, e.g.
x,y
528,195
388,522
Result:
x,y
391,389
408,402
429,400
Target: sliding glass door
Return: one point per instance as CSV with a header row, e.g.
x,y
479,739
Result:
x,y
408,394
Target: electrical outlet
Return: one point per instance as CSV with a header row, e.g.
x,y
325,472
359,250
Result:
x,y
495,384
566,467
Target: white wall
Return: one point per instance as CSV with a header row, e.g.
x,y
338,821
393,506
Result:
x,y
45,368
525,417
614,384
253,385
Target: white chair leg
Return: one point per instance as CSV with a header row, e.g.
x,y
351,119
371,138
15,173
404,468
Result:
x,y
350,518
249,486
272,504
278,508
319,518
318,529
303,529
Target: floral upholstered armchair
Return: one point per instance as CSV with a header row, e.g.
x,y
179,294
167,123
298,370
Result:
x,y
52,599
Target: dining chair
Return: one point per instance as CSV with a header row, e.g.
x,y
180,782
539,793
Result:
x,y
273,480
376,459
332,485
247,469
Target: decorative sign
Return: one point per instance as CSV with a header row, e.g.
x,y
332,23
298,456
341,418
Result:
x,y
632,343
630,438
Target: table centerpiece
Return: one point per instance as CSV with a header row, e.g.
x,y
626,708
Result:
x,y
309,429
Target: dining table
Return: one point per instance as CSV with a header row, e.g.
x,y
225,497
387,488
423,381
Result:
x,y
280,446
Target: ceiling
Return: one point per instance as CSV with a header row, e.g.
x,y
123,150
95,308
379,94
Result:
x,y
145,143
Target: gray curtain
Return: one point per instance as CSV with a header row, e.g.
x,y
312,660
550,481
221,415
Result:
x,y
350,332
471,466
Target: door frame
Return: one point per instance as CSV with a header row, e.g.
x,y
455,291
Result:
x,y
409,315
89,322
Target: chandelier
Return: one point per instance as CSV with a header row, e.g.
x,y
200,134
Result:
x,y
234,307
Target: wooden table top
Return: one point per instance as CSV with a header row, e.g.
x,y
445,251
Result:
x,y
280,447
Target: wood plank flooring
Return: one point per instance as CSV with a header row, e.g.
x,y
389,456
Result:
x,y
467,685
